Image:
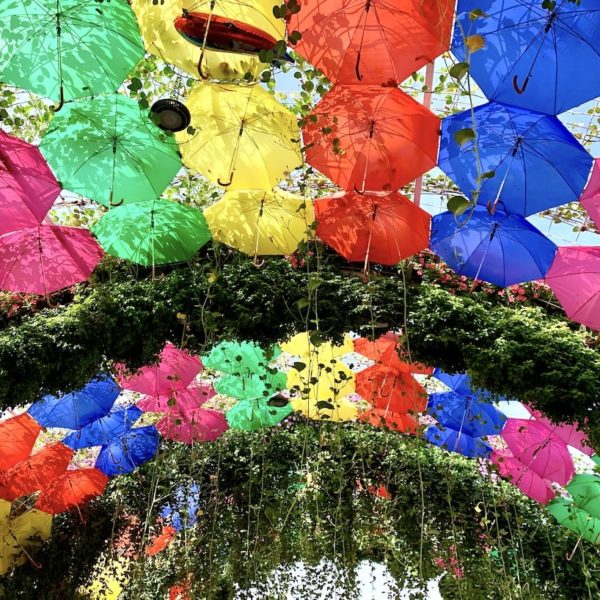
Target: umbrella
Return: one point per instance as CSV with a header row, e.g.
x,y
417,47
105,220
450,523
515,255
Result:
x,y
333,407
539,449
100,432
128,451
183,514
195,425
28,187
591,194
107,149
371,138
575,280
585,491
374,43
500,248
17,438
71,489
252,414
45,259
154,232
261,222
475,417
66,49
400,422
240,358
385,351
77,409
255,385
371,227
456,441
163,40
527,480
36,472
243,138
531,162
533,57
579,521
189,398
302,345
175,370
461,384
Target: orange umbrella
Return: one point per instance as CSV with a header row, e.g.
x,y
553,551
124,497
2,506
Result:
x,y
376,42
17,437
399,422
372,227
371,138
71,489
382,350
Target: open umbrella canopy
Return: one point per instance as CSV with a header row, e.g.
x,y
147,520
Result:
x,y
373,43
540,58
460,383
243,138
371,138
154,232
456,441
383,350
71,489
500,248
575,280
252,414
28,187
240,358
195,425
303,345
79,408
575,519
333,407
17,438
372,227
101,431
125,453
539,449
45,259
163,40
187,399
176,369
254,385
109,150
261,222
585,491
66,49
591,194
531,161
400,422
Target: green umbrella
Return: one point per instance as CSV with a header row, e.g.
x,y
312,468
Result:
x,y
245,387
108,150
67,49
254,413
155,232
585,490
576,519
240,358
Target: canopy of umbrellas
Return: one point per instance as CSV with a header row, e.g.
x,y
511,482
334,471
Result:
x,y
61,451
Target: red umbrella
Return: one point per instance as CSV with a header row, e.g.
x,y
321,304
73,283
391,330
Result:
x,y
379,42
47,258
17,438
372,227
36,472
371,138
385,351
28,187
71,489
400,422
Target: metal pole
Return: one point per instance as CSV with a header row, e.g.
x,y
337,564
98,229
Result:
x,y
427,96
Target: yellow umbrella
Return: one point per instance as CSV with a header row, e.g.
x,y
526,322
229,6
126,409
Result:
x,y
162,39
300,345
260,223
243,140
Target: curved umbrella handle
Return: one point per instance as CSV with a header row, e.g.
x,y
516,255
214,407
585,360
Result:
x,y
359,192
61,102
357,67
256,263
115,204
520,89
223,184
200,71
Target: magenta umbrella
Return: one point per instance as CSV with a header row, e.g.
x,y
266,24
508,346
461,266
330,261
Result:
x,y
539,449
526,479
199,425
180,400
28,187
591,195
175,370
575,280
47,258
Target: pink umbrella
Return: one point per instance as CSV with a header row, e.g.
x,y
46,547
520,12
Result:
x,y
28,187
199,425
175,370
527,480
540,449
180,400
46,258
575,279
591,195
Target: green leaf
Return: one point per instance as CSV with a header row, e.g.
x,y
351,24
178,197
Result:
x,y
457,205
459,70
462,136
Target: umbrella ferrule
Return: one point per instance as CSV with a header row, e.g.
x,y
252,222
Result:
x,y
551,18
495,227
517,146
368,5
372,129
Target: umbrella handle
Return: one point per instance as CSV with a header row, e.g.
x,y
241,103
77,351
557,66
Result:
x,y
359,192
49,301
200,71
520,89
357,67
223,184
61,102
258,263
115,204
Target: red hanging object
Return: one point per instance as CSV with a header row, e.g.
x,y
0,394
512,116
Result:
x,y
17,438
398,422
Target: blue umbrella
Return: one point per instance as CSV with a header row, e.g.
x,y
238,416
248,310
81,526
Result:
x,y
77,409
184,513
128,451
499,248
531,162
100,432
454,441
461,384
544,60
467,414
